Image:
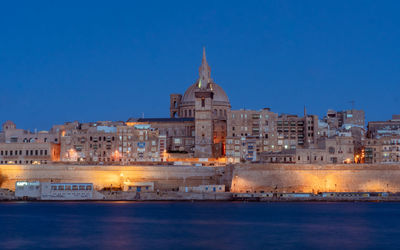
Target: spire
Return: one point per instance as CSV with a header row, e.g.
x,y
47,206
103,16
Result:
x,y
204,61
204,72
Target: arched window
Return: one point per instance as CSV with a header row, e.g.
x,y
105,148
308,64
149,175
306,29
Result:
x,y
190,113
185,112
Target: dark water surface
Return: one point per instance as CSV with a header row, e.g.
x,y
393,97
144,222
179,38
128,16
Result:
x,y
199,225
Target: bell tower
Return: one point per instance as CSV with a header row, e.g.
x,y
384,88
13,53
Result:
x,y
204,95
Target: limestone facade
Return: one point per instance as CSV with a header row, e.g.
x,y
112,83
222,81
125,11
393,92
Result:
x,y
29,153
334,150
251,132
385,149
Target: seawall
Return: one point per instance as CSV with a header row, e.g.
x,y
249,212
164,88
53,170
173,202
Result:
x,y
164,177
282,178
310,178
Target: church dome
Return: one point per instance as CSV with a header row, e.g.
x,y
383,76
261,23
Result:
x,y
220,97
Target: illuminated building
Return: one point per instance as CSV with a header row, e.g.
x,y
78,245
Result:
x,y
89,142
29,153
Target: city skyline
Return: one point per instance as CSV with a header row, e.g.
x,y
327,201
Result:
x,y
109,68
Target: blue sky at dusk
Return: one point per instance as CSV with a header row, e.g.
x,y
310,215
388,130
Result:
x,y
111,60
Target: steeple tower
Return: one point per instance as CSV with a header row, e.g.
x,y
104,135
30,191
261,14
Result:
x,y
204,72
204,128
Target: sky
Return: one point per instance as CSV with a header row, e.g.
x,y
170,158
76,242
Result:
x,y
111,60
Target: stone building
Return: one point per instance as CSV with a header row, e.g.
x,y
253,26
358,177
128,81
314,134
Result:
x,y
337,119
378,129
334,150
19,146
139,142
348,122
111,143
251,132
89,142
29,153
385,149
208,104
184,106
11,134
178,133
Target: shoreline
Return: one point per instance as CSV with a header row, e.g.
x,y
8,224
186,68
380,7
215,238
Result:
x,y
120,196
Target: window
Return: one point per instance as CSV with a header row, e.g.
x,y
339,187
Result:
x,y
203,102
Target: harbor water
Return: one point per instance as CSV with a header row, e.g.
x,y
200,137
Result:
x,y
199,225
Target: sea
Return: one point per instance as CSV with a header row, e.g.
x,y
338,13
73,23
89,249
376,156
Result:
x,y
199,225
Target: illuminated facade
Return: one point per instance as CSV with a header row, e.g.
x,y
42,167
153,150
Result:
x,y
208,104
89,142
139,142
29,153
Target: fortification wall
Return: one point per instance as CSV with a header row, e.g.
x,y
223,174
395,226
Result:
x,y
316,178
241,178
164,177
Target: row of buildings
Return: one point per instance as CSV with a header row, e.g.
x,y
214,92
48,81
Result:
x,y
202,127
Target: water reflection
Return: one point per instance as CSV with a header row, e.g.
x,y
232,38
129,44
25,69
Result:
x,y
202,225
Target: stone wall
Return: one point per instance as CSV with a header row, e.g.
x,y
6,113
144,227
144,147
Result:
x,y
240,178
316,178
164,177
